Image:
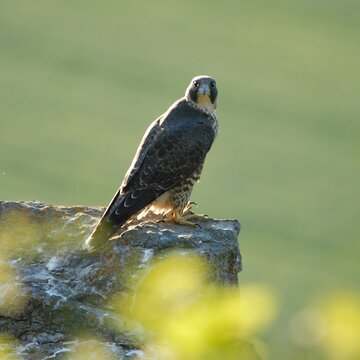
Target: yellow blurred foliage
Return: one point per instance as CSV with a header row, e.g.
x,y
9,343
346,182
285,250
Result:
x,y
13,296
191,319
26,236
340,316
18,232
90,349
220,322
332,325
8,348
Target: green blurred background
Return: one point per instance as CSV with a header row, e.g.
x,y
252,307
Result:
x,y
81,80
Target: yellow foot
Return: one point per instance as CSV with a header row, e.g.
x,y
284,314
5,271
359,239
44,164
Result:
x,y
192,216
187,215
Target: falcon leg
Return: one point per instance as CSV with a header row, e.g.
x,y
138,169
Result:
x,y
187,215
179,219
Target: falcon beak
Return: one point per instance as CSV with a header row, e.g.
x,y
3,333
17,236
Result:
x,y
204,89
203,96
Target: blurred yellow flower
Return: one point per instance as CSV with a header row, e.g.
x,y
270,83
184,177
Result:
x,y
340,315
13,296
332,324
90,349
191,319
220,322
17,232
8,348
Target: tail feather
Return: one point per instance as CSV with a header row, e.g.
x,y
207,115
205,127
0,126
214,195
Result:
x,y
103,232
120,209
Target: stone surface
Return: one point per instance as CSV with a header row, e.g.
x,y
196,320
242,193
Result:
x,y
65,286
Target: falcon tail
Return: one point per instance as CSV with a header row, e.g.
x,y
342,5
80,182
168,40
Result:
x,y
121,208
103,232
106,227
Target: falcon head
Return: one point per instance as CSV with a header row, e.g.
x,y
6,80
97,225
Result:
x,y
202,90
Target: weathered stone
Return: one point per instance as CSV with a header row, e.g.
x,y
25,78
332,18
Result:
x,y
66,286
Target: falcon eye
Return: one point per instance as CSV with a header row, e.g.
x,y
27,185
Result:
x,y
212,84
196,83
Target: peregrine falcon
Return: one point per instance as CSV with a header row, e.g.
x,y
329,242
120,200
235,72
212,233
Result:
x,y
167,163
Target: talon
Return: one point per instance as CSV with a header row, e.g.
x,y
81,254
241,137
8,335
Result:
x,y
184,218
196,217
188,207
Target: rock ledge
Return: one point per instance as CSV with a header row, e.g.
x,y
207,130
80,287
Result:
x,y
64,284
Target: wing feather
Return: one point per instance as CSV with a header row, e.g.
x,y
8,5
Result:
x,y
176,151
